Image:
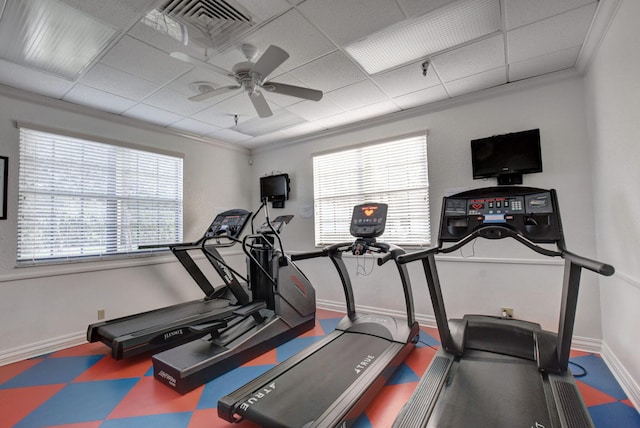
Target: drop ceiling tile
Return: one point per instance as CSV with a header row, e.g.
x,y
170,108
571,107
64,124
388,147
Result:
x,y
100,100
266,139
347,21
330,72
170,100
265,9
152,114
419,7
118,13
372,110
477,82
333,121
195,126
543,37
31,80
217,117
357,95
522,12
302,129
544,64
406,79
155,38
313,110
118,82
294,34
471,59
137,58
261,126
230,136
424,96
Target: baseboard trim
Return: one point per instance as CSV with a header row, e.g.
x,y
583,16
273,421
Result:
x,y
586,344
42,348
624,378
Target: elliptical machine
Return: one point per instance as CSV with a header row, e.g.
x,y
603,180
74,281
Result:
x,y
282,307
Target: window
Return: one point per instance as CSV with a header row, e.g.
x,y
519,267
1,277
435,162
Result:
x,y
393,172
81,198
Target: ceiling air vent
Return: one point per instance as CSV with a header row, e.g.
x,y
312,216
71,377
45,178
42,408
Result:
x,y
218,21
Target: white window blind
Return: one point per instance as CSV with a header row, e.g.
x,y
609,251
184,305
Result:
x,y
80,198
393,172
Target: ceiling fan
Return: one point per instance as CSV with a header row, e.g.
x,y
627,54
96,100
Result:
x,y
251,76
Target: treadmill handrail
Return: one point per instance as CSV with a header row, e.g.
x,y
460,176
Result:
x,y
590,264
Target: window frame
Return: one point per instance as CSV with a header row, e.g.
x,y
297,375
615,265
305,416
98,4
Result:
x,y
422,225
129,201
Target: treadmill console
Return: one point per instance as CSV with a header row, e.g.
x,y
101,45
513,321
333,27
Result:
x,y
528,211
368,220
228,224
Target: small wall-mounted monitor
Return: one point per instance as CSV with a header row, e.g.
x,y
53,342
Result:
x,y
507,156
275,188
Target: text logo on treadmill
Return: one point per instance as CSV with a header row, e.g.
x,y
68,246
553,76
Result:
x,y
171,381
173,333
537,425
364,363
258,395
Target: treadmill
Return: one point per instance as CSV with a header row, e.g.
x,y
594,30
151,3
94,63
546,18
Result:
x,y
160,329
282,307
497,371
331,382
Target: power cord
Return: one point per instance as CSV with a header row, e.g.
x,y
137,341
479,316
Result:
x,y
584,371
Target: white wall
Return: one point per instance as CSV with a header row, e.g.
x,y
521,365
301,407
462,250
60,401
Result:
x,y
42,306
500,273
613,101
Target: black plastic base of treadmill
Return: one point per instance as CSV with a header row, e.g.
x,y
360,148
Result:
x,y
216,360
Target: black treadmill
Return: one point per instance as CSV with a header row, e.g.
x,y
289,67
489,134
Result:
x,y
497,371
160,329
331,382
283,307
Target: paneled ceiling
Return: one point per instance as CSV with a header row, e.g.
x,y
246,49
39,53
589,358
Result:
x,y
131,73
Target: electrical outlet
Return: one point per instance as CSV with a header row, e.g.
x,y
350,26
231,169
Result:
x,y
101,314
506,312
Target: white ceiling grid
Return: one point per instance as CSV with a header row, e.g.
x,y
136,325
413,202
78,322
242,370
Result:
x,y
135,77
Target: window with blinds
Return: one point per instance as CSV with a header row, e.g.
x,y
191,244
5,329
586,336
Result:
x,y
393,172
82,199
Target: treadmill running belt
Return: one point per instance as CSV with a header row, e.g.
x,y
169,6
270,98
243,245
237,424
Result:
x,y
511,387
314,383
165,316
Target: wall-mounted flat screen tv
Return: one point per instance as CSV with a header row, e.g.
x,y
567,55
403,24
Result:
x,y
275,188
507,156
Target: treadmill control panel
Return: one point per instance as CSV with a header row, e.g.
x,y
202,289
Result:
x,y
528,211
228,224
368,220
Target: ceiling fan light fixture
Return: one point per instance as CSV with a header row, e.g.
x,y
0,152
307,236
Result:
x,y
444,28
51,36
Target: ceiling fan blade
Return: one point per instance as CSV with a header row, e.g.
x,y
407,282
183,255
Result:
x,y
210,94
294,91
269,61
260,104
227,75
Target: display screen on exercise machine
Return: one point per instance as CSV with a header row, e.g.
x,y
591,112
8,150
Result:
x,y
368,220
